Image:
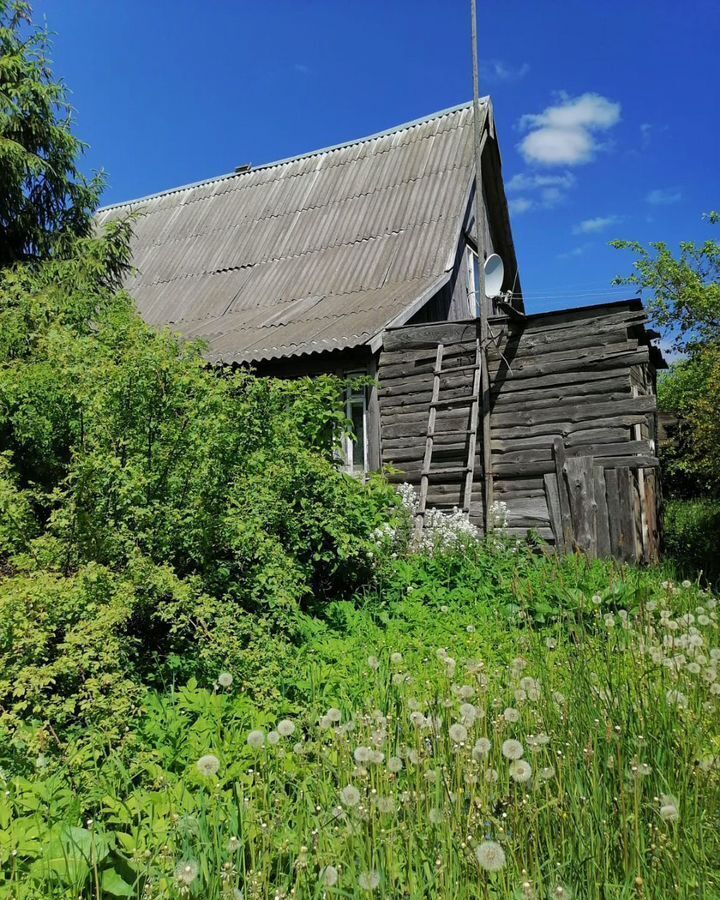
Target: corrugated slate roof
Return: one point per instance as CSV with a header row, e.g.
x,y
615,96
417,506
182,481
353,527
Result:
x,y
319,252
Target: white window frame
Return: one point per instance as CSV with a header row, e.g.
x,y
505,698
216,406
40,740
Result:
x,y
355,398
472,265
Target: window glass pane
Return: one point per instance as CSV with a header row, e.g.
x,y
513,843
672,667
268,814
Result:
x,y
357,417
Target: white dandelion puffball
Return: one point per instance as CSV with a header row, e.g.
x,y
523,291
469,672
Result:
x,y
490,855
481,748
491,776
458,733
208,765
547,773
329,876
686,584
256,739
511,715
333,714
468,713
386,804
273,738
512,749
350,795
234,844
394,764
362,755
374,663
396,658
520,770
436,816
369,881
669,808
225,679
285,727
186,871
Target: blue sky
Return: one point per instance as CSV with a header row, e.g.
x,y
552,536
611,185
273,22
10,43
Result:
x,y
606,112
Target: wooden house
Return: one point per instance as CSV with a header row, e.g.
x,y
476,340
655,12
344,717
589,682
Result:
x,y
363,259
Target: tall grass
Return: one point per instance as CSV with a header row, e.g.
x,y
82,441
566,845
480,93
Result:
x,y
582,760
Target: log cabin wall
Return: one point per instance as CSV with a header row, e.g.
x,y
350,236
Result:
x,y
585,376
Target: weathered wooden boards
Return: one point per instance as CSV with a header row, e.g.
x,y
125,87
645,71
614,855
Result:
x,y
580,376
598,511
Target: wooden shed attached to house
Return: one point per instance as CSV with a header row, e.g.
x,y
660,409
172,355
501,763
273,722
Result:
x,y
363,259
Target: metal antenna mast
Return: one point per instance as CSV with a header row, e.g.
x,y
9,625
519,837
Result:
x,y
481,302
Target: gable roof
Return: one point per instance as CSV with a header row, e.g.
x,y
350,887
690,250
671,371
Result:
x,y
319,252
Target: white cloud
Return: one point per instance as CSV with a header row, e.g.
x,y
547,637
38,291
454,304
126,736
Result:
x,y
576,251
566,134
664,196
546,190
593,226
531,181
519,205
496,71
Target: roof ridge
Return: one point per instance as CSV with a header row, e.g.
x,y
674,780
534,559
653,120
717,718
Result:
x,y
361,140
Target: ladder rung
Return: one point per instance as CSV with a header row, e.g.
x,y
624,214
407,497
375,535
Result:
x,y
470,398
451,470
467,368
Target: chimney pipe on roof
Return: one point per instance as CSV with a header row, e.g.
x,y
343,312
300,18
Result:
x,y
241,170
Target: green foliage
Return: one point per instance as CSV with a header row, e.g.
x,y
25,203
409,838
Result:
x,y
692,537
44,199
685,288
685,299
211,501
618,731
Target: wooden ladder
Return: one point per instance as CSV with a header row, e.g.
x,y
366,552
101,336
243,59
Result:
x,y
473,399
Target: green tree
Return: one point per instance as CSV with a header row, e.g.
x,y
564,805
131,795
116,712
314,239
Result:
x,y
44,199
685,300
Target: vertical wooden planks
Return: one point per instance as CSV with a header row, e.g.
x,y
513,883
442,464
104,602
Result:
x,y
603,522
553,501
581,493
563,498
626,548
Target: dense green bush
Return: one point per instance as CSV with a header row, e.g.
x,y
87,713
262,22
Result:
x,y
692,536
211,502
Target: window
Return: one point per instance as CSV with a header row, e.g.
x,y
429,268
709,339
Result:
x,y
473,280
355,449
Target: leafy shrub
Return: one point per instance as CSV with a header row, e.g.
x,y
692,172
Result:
x,y
204,498
692,536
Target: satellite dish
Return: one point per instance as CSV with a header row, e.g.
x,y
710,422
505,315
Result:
x,y
494,274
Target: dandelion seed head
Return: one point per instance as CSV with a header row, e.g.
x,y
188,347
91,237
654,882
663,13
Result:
x,y
285,727
512,749
186,871
511,714
225,679
490,855
396,658
369,881
208,765
328,876
373,662
458,733
350,795
256,739
334,714
520,770
395,764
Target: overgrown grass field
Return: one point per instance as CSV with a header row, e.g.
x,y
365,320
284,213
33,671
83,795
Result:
x,y
557,739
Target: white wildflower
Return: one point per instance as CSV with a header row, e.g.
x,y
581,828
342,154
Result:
x,y
458,733
368,881
225,679
256,739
